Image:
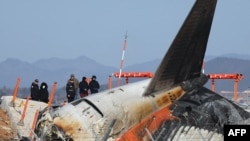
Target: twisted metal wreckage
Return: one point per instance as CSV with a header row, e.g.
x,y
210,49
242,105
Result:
x,y
168,106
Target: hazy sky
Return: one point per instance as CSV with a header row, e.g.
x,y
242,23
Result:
x,y
39,29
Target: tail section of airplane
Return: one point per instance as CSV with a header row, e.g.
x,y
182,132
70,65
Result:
x,y
135,111
184,59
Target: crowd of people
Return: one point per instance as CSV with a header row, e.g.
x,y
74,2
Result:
x,y
85,87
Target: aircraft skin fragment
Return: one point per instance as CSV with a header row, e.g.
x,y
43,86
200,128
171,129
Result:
x,y
152,122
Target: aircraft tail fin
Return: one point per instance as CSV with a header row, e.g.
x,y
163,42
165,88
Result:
x,y
184,59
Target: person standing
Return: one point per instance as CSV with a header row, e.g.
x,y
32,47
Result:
x,y
70,90
83,87
94,85
34,90
76,82
44,93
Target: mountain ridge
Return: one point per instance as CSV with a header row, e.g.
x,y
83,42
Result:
x,y
58,70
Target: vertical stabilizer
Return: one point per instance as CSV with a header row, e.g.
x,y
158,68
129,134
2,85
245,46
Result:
x,y
184,59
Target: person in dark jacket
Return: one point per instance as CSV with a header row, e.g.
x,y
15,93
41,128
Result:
x,y
83,87
44,93
94,85
34,90
70,90
76,83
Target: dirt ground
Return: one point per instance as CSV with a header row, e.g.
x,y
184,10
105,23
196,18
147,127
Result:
x,y
6,131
